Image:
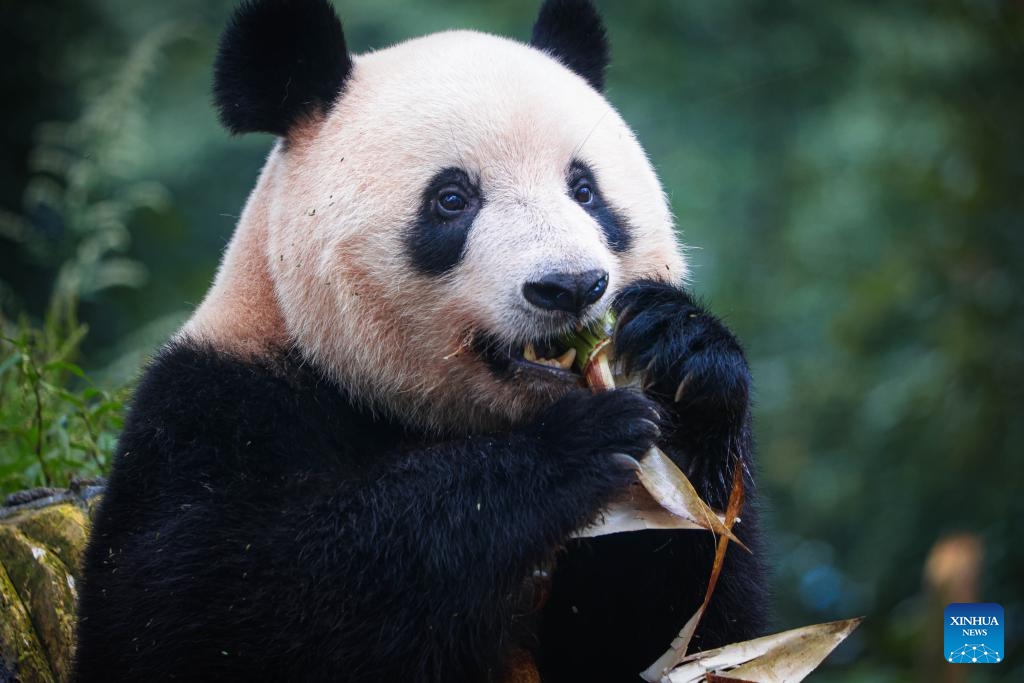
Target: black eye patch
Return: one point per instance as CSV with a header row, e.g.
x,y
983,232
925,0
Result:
x,y
584,190
436,240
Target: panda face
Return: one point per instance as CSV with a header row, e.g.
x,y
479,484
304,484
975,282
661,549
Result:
x,y
466,200
426,235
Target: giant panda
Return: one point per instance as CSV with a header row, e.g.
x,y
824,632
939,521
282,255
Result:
x,y
352,463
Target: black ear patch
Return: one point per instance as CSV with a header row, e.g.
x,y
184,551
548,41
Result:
x,y
572,32
278,61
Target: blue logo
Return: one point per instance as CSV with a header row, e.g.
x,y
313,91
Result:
x,y
974,633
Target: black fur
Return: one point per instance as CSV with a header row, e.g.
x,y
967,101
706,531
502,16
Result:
x,y
572,32
257,526
659,578
663,333
435,244
614,226
628,595
279,61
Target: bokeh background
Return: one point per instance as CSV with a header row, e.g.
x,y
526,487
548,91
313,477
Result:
x,y
849,177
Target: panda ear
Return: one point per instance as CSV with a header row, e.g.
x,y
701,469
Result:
x,y
279,61
572,32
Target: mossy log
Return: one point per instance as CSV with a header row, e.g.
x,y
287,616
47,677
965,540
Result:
x,y
42,538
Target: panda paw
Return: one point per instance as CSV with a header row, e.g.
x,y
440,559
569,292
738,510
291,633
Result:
x,y
581,439
587,426
687,359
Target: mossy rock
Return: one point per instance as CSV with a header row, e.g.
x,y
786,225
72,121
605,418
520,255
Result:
x,y
42,539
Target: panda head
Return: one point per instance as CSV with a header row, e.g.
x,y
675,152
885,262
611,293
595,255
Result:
x,y
432,210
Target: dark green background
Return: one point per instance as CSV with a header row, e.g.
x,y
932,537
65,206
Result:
x,y
849,177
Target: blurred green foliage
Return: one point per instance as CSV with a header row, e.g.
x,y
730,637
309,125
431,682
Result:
x,y
78,200
55,423
850,177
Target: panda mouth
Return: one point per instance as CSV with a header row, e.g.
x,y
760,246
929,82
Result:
x,y
546,359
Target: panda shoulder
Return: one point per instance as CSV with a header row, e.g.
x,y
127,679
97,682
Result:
x,y
195,402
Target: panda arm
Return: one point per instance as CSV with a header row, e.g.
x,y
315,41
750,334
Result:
x,y
695,367
257,526
653,581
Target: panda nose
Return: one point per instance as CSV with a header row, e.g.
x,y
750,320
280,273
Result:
x,y
569,292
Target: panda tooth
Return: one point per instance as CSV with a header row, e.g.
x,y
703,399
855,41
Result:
x,y
529,353
566,359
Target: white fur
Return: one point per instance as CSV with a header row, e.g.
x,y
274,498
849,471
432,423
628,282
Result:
x,y
334,201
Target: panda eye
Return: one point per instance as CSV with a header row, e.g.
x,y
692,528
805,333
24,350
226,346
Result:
x,y
583,193
450,203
